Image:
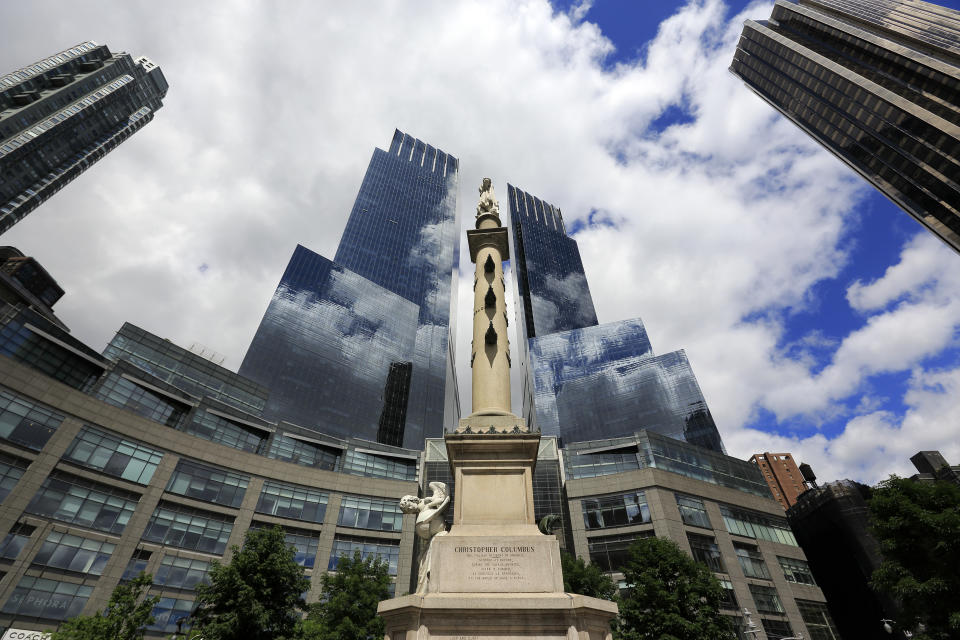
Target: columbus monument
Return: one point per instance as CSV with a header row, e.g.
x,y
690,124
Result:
x,y
494,575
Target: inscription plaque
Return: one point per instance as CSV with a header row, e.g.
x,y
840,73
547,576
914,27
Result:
x,y
497,565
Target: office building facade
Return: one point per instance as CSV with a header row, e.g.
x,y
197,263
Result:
x,y
715,507
832,525
109,470
363,344
782,475
876,82
583,380
63,113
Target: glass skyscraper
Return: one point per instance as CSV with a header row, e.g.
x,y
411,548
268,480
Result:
x,y
362,345
876,82
583,380
60,115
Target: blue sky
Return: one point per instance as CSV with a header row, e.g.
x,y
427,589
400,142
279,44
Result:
x,y
818,318
873,239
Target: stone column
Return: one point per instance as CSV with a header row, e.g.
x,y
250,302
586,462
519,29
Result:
x,y
490,351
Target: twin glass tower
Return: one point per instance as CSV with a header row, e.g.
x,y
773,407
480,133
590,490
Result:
x,y
362,345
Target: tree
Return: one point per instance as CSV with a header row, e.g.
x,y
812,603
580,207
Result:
x,y
918,527
256,596
348,603
125,618
670,596
586,579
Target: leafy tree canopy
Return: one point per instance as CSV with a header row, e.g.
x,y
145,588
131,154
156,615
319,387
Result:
x,y
586,579
348,604
257,595
125,618
918,527
670,596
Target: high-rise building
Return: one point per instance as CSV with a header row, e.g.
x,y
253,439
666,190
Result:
x,y
832,525
362,345
876,82
60,115
583,380
782,474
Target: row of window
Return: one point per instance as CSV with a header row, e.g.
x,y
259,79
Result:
x,y
30,424
59,600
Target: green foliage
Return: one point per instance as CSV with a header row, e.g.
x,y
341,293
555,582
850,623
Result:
x,y
348,604
670,597
918,527
586,579
256,596
126,615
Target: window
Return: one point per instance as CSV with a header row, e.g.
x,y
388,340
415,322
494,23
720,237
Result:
x,y
113,455
817,618
706,551
729,600
42,598
137,564
751,561
210,484
364,463
303,453
122,392
370,513
388,550
766,598
292,501
26,423
11,470
218,429
20,342
73,553
615,511
777,629
796,570
692,511
611,553
84,503
761,526
167,612
188,528
14,542
181,573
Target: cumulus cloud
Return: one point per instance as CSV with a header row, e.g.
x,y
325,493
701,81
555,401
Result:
x,y
724,221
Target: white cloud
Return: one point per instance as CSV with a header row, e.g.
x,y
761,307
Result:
x,y
723,224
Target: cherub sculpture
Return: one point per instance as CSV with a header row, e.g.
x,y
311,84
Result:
x,y
488,201
429,524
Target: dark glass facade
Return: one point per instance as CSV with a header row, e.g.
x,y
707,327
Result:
x,y
188,371
60,115
361,345
583,380
876,82
648,449
552,286
604,381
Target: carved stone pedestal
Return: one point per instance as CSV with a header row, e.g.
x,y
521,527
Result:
x,y
488,616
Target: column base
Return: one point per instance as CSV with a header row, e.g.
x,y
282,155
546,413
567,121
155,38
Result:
x,y
501,616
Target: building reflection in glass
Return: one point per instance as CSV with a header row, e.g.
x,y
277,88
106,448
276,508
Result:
x,y
552,286
360,346
326,345
605,381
